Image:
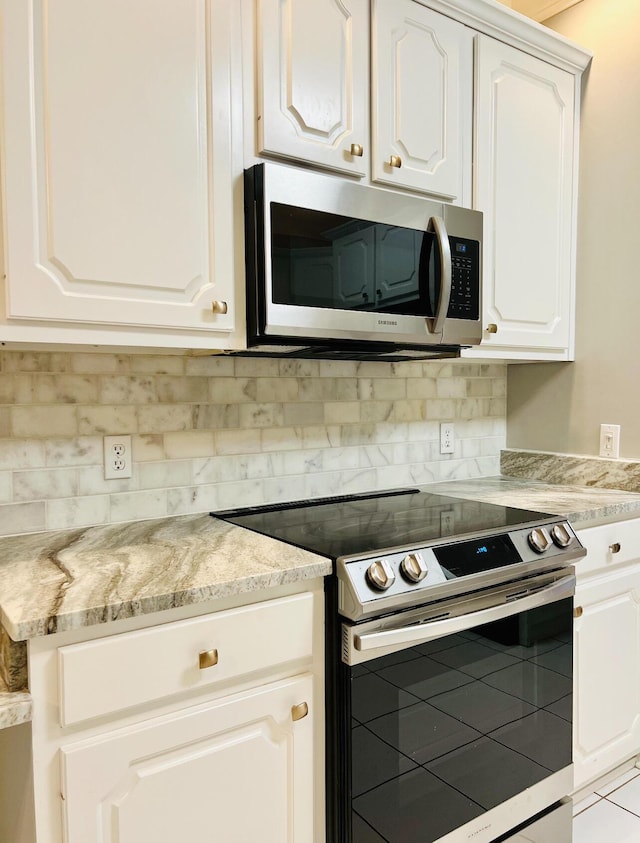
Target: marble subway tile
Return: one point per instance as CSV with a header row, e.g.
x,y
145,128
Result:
x,y
241,493
22,518
232,390
163,418
91,481
218,469
158,364
189,443
338,368
163,475
6,486
480,387
132,506
35,361
41,420
341,412
107,420
178,390
422,388
255,367
304,413
376,411
299,368
261,415
65,389
440,408
101,364
5,422
128,389
211,366
192,499
78,512
321,436
79,450
214,416
237,442
409,411
281,439
148,446
277,489
270,390
40,484
7,389
451,388
22,453
375,455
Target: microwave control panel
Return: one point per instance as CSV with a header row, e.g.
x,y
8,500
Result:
x,y
465,279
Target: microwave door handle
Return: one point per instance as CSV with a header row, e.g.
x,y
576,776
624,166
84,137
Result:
x,y
436,325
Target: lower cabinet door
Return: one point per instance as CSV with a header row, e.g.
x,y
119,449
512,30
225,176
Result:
x,y
234,770
607,679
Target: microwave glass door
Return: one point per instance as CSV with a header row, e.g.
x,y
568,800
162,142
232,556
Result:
x,y
326,260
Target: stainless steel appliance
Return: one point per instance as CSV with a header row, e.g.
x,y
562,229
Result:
x,y
338,268
448,665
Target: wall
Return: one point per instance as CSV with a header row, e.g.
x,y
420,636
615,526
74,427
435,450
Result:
x,y
559,407
216,432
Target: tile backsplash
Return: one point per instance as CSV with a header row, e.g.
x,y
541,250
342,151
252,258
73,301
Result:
x,y
217,432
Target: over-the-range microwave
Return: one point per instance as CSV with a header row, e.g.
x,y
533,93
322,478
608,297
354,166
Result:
x,y
339,269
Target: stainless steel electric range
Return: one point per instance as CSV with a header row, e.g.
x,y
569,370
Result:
x,y
448,665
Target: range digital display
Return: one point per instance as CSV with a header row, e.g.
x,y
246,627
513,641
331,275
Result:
x,y
475,556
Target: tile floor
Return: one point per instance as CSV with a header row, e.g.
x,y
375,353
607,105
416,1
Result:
x,y
611,814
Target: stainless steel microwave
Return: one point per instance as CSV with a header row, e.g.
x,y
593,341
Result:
x,y
339,269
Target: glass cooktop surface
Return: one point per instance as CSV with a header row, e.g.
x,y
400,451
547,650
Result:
x,y
362,524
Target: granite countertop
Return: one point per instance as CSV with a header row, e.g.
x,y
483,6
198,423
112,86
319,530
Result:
x,y
580,504
53,582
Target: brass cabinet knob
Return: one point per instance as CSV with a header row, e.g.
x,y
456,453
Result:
x,y
577,612
395,161
219,306
615,547
357,149
207,658
492,328
299,711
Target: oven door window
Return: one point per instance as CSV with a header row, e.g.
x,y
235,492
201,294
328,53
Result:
x,y
442,732
345,263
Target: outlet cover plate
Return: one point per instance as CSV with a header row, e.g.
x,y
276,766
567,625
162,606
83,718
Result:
x,y
118,463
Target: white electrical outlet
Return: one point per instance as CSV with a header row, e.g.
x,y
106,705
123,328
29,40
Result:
x,y
610,440
447,438
117,457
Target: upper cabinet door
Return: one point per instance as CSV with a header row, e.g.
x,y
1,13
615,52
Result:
x,y
313,82
118,122
525,188
422,100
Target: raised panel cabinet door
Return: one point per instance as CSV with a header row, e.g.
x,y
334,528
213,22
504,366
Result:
x,y
397,254
524,171
607,680
236,770
354,269
422,99
313,82
119,117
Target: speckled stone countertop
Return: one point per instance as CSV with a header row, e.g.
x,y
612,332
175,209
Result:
x,y
580,504
53,582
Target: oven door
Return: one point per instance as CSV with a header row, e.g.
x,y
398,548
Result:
x,y
459,715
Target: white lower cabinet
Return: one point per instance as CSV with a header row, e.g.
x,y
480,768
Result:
x,y
607,653
203,728
234,770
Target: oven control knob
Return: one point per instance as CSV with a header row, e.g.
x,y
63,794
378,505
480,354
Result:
x,y
380,575
539,540
413,567
560,535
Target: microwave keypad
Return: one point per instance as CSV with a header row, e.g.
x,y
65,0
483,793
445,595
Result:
x,y
465,279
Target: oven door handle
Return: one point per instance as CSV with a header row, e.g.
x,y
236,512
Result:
x,y
417,633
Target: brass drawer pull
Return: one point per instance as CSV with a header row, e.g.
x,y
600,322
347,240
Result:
x,y
219,306
577,612
357,150
299,711
395,161
207,658
492,328
615,547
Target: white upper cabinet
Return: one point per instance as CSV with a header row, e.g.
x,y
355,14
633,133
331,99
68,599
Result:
x,y
525,186
313,82
119,123
422,100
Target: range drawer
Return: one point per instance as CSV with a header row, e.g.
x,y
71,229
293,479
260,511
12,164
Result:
x,y
609,546
108,675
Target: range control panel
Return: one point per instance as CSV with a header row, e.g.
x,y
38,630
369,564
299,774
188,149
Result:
x,y
410,576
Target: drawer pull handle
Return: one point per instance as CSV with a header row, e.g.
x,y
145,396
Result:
x,y
492,328
208,658
299,711
615,547
357,150
577,612
395,161
219,307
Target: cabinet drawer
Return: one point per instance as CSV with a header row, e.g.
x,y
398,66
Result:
x,y
108,675
609,545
